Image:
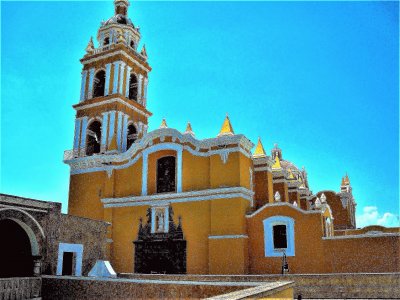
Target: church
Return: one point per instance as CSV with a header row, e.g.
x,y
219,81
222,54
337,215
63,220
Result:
x,y
180,205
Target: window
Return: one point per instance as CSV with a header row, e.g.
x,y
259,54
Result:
x,y
69,260
132,136
93,138
132,44
279,236
166,174
280,241
106,41
133,87
99,84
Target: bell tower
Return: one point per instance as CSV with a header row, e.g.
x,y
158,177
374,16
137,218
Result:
x,y
112,113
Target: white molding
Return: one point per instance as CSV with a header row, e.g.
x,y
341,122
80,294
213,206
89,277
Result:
x,y
101,57
229,236
192,196
93,163
107,82
364,235
66,247
283,204
112,100
260,169
90,88
117,66
83,86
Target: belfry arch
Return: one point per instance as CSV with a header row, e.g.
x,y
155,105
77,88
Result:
x,y
93,138
131,136
22,243
133,87
99,84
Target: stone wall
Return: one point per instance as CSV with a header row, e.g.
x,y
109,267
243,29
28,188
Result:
x,y
20,288
54,287
350,285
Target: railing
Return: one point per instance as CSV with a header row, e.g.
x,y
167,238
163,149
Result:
x,y
20,288
112,46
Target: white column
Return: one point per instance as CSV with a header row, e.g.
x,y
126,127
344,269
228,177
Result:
x,y
111,127
83,135
83,86
116,72
102,39
104,132
91,77
139,95
166,219
153,219
77,136
127,78
179,175
124,132
121,77
119,130
145,91
107,87
144,175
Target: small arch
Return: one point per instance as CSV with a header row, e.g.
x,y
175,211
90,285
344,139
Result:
x,y
106,41
132,44
93,138
99,84
133,87
131,136
166,174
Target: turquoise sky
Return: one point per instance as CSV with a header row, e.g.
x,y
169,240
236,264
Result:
x,y
319,78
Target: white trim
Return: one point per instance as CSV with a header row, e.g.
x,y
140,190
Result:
x,y
90,89
192,196
116,73
30,217
83,135
107,83
283,204
125,132
268,225
364,235
83,86
159,147
118,100
76,248
77,134
127,80
104,128
115,53
229,236
121,78
139,95
119,130
111,127
260,169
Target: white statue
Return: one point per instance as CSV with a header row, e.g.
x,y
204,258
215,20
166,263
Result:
x,y
277,197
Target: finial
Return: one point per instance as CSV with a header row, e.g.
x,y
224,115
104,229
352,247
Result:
x,y
277,197
259,152
143,52
189,129
323,198
90,46
163,124
226,128
121,7
295,203
317,203
277,164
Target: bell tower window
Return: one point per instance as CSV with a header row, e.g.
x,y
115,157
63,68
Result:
x,y
99,84
132,44
133,87
93,138
106,41
166,179
132,136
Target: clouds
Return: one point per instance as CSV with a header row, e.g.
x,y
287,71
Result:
x,y
371,216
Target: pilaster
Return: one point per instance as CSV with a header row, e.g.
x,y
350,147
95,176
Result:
x,y
107,83
83,86
91,77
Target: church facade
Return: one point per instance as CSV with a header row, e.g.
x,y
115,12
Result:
x,y
177,204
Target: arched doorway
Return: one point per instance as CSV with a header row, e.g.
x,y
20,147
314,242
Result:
x,y
15,252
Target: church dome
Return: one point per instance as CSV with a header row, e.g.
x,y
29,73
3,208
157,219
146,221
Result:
x,y
119,19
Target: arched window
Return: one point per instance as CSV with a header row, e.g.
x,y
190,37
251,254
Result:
x,y
132,44
99,84
93,138
166,174
133,87
106,41
132,136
